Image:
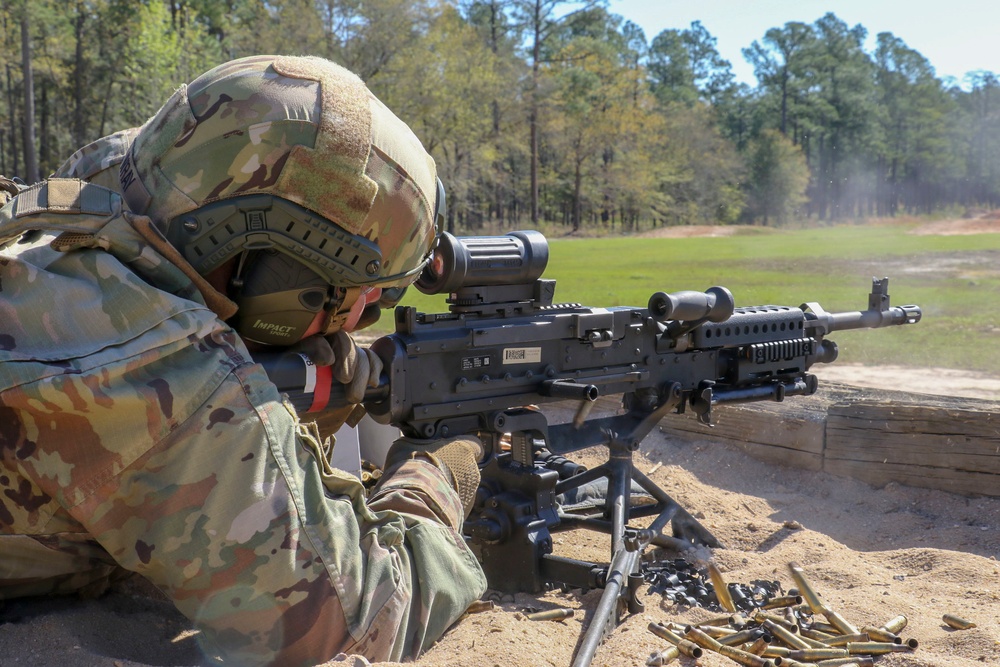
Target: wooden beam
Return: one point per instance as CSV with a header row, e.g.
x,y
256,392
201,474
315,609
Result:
x,y
877,436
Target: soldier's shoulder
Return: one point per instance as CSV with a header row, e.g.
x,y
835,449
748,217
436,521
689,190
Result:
x,y
98,161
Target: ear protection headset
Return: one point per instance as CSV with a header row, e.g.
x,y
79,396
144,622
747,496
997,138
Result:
x,y
292,265
290,261
278,297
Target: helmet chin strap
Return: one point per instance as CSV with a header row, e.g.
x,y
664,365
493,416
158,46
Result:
x,y
368,296
339,318
347,316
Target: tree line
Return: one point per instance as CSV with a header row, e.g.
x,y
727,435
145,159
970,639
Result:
x,y
545,110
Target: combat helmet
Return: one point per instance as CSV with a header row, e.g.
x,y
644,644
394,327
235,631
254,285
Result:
x,y
292,169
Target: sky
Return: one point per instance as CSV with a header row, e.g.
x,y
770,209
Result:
x,y
956,36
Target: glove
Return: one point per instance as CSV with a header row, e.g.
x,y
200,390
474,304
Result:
x,y
458,458
352,365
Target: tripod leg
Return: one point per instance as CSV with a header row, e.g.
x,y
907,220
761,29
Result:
x,y
605,618
685,526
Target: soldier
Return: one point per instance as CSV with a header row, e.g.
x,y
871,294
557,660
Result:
x,y
99,161
272,202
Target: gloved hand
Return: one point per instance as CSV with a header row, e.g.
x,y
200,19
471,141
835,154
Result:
x,y
458,458
355,366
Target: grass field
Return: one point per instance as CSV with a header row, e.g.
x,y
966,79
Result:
x,y
954,278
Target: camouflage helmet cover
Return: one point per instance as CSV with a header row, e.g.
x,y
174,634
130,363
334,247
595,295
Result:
x,y
299,128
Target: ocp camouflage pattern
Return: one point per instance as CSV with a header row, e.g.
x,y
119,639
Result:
x,y
300,128
98,162
137,434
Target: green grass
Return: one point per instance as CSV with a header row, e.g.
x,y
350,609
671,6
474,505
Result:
x,y
955,280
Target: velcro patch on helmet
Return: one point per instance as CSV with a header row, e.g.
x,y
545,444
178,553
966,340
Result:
x,y
346,117
65,195
330,178
397,141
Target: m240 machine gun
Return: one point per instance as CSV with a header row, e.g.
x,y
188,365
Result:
x,y
505,348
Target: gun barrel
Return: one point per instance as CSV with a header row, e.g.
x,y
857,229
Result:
x,y
874,319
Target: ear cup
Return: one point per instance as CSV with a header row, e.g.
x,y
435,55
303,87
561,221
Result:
x,y
278,298
369,316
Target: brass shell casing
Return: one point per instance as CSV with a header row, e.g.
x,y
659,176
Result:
x,y
664,657
550,615
745,658
839,622
741,637
698,636
813,633
876,648
841,640
785,635
721,588
825,627
685,646
814,654
879,635
895,624
758,646
805,588
783,601
957,622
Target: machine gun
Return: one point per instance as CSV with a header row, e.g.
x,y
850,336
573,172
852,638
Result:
x,y
505,348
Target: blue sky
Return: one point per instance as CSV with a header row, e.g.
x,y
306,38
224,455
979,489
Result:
x,y
956,36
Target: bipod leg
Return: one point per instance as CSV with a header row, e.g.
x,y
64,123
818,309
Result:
x,y
623,579
621,574
619,467
685,527
622,471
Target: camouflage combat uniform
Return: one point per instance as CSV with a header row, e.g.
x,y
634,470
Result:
x,y
137,433
98,161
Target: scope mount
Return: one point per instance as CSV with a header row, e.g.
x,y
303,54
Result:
x,y
503,300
